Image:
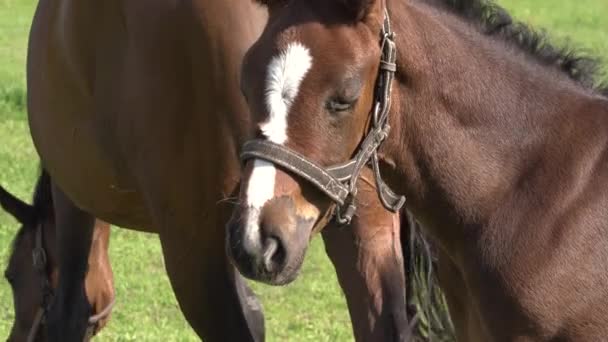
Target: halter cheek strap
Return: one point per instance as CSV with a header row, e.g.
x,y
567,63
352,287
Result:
x,y
40,262
339,182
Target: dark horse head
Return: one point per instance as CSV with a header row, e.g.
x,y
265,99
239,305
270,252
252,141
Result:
x,y
32,267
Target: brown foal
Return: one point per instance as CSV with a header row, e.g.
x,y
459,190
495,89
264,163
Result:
x,y
497,138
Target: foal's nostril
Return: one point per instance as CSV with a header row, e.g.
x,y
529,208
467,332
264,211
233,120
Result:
x,y
274,254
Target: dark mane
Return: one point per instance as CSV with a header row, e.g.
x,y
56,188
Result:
x,y
494,20
42,204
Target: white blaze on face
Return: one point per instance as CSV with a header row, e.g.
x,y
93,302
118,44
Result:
x,y
285,73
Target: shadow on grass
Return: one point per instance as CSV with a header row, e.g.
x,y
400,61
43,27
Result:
x,y
13,102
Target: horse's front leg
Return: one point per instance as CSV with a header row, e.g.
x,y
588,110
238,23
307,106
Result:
x,y
213,297
368,259
70,310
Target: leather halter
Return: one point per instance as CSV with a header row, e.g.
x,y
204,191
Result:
x,y
339,182
40,261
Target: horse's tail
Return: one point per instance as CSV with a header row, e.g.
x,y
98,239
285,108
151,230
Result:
x,y
25,213
426,304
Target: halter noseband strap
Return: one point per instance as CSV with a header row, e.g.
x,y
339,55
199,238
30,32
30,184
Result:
x,y
339,182
40,261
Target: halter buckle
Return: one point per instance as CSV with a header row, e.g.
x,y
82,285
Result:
x,y
345,216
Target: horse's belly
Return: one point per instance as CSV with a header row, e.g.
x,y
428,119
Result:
x,y
76,163
88,177
70,134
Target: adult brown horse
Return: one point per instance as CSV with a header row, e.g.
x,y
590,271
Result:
x,y
135,111
32,267
498,139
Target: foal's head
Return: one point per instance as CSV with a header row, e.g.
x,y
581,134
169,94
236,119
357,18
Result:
x,y
309,82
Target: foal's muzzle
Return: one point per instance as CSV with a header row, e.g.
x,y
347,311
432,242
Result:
x,y
269,245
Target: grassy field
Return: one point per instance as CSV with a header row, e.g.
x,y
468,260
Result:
x,y
311,309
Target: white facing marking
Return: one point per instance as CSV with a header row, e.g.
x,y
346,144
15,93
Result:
x,y
285,74
261,183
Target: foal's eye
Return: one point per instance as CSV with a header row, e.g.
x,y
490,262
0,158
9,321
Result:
x,y
339,105
345,96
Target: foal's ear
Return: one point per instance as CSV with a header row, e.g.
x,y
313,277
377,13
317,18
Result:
x,y
361,9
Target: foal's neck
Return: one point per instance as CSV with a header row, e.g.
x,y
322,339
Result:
x,y
472,124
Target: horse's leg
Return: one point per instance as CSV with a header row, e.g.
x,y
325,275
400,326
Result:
x,y
369,263
215,300
70,309
251,306
99,282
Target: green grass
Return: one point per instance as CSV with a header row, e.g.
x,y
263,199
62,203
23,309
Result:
x,y
311,309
